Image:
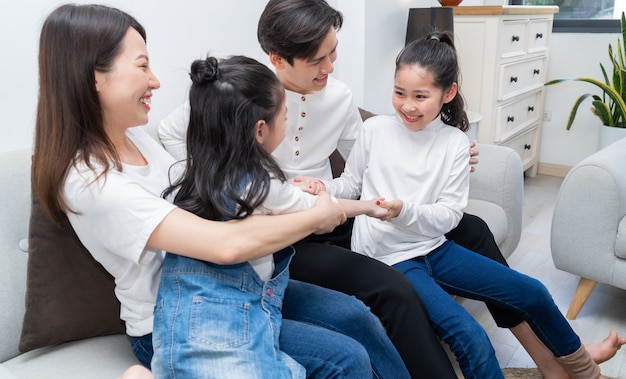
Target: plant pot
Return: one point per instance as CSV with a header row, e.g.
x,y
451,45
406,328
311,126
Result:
x,y
610,134
450,3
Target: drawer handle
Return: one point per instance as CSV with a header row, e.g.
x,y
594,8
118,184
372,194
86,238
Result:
x,y
536,71
539,35
513,79
515,38
531,108
510,118
526,146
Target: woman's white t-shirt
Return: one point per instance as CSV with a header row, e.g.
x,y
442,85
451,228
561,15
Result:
x,y
114,218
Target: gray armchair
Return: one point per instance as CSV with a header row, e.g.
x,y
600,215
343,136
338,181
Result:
x,y
497,193
588,236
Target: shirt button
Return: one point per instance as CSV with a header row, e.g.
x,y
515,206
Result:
x,y
303,114
297,153
269,292
303,98
301,128
297,138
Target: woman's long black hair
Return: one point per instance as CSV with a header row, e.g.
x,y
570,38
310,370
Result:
x,y
228,173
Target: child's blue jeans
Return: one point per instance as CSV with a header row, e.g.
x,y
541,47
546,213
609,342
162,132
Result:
x,y
452,269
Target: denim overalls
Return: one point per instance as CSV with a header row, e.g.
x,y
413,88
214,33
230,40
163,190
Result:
x,y
223,321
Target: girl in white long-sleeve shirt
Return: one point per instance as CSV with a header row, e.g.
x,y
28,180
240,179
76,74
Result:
x,y
419,158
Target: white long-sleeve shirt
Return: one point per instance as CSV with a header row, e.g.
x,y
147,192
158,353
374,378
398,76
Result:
x,y
282,198
317,124
428,170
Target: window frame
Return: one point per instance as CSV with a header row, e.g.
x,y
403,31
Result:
x,y
585,25
582,25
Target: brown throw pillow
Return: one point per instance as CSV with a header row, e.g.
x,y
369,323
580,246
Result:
x,y
69,296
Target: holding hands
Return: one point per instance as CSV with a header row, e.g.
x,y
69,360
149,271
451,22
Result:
x,y
393,208
376,208
309,184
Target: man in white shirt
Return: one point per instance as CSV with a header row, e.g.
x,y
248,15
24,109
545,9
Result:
x,y
300,38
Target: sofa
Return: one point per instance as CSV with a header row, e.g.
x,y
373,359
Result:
x,y
588,235
103,357
496,195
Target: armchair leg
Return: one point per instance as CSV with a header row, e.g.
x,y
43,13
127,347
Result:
x,y
584,289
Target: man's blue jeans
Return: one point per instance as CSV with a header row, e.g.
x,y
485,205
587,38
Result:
x,y
325,330
452,269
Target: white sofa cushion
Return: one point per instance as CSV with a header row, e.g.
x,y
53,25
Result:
x,y
5,373
94,358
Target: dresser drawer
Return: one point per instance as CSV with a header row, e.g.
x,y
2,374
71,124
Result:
x,y
526,145
539,35
513,40
519,77
513,117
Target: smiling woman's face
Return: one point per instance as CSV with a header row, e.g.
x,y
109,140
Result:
x,y
125,91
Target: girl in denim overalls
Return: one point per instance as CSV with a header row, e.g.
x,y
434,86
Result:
x,y
224,320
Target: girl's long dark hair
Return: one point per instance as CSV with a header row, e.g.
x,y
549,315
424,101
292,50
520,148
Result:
x,y
228,173
436,54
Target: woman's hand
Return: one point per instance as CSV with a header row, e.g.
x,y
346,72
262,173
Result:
x,y
328,212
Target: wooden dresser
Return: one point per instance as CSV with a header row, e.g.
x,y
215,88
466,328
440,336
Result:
x,y
503,53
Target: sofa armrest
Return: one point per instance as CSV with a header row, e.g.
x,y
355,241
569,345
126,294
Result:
x,y
499,179
14,216
588,221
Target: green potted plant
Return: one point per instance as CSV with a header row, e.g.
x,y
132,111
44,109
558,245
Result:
x,y
611,106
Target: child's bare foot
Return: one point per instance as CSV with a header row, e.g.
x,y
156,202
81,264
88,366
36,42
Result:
x,y
606,349
137,372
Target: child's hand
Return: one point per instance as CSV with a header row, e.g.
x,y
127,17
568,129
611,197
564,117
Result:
x,y
473,154
393,208
328,213
375,210
309,184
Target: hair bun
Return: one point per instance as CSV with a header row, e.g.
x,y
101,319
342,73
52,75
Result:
x,y
204,70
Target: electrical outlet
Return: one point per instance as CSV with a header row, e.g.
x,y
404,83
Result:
x,y
547,116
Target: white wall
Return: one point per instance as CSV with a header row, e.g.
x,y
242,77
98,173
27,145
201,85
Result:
x,y
181,31
178,32
373,33
573,55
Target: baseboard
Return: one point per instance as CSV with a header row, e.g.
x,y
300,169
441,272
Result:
x,y
552,169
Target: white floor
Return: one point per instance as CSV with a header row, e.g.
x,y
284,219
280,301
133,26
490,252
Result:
x,y
605,309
